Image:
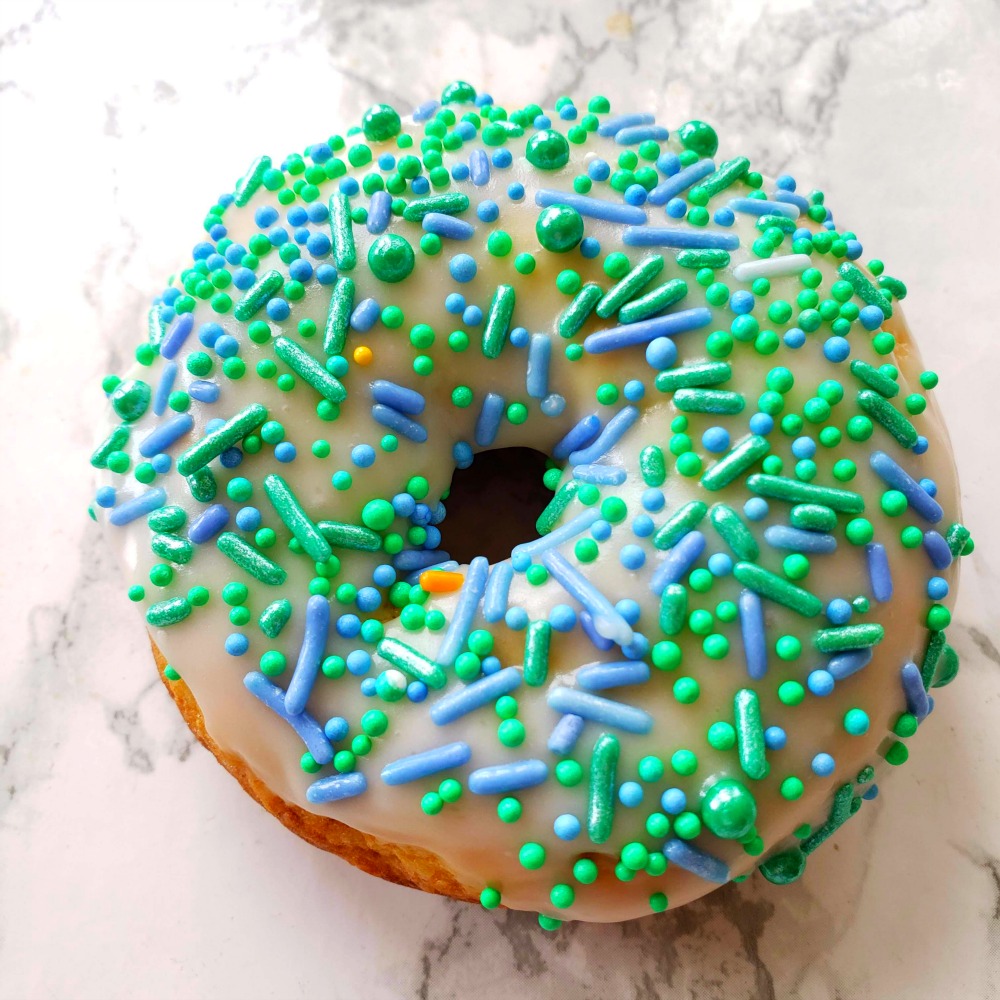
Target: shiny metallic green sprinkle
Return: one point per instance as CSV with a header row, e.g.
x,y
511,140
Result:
x,y
411,662
249,184
250,559
448,204
673,608
813,517
708,401
601,789
547,150
652,465
873,378
575,314
630,286
793,491
699,137
345,255
131,398
734,532
654,301
380,122
947,667
498,321
884,413
227,436
298,522
310,370
685,519
697,259
338,316
173,548
537,637
168,612
559,228
743,455
275,617
202,485
785,867
257,295
864,289
749,733
115,441
693,376
350,536
837,640
727,175
390,258
774,588
840,813
765,222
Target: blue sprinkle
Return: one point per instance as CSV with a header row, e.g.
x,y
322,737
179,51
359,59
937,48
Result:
x,y
843,665
472,316
413,560
455,303
775,738
598,169
164,388
562,618
465,610
646,330
317,629
300,270
519,337
502,158
566,827
516,619
553,405
379,212
235,253
309,730
823,765
227,346
208,523
679,238
601,530
661,353
479,167
937,550
488,211
600,475
284,452
629,610
677,561
611,126
642,524
839,611
419,185
278,236
762,423
836,349
369,599
462,267
742,302
754,635
676,208
917,702
499,779
724,217
317,212
416,691
804,447
593,208
515,191
231,458
163,436
568,113
483,691
237,644
602,676
592,707
399,397
537,376
587,624
106,497
635,194
176,335
348,186
630,794
679,181
937,588
879,573
363,456
760,206
161,463
820,683
365,315
756,508
692,859
565,733
794,338
336,728
348,626
266,215
461,452
921,446
277,310
633,390
248,519
641,133
326,274
653,500
425,110
673,801
488,422
451,228
801,203
336,787
422,765
358,662
871,317
720,564
782,536
589,247
611,434
716,439
542,121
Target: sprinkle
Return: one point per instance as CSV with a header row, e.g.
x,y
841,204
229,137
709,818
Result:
x,y
423,765
680,182
879,574
937,550
882,411
342,232
727,175
633,134
593,208
772,267
338,317
673,608
813,517
498,321
698,259
873,378
917,702
749,733
250,559
584,433
490,416
310,654
479,167
918,498
497,590
203,391
172,548
379,212
258,294
843,665
116,441
537,638
679,238
500,779
654,301
448,226
572,318
208,524
275,617
248,185
652,465
310,370
612,433
592,707
781,536
840,812
140,506
537,378
754,634
336,787
448,204
641,333
163,388
565,733
601,787
793,491
864,289
602,676
179,332
608,622
436,581
168,612
398,654
462,701
527,551
774,588
214,444
629,286
708,401
162,437
555,507
683,520
692,859
600,475
835,640
350,536
298,522
202,485
309,730
156,326
465,610
678,561
758,207
734,532
611,126
587,624
958,536
693,376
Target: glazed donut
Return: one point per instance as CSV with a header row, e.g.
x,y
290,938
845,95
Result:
x,y
734,608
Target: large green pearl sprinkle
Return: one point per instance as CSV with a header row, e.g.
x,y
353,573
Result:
x,y
458,92
380,122
130,399
699,137
390,258
559,228
729,809
548,150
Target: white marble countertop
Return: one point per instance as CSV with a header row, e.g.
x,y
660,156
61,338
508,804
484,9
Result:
x,y
130,863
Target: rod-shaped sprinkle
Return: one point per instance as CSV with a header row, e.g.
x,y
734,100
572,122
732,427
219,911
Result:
x,y
173,548
460,702
175,337
497,590
709,401
587,624
398,422
202,485
734,532
537,638
694,376
892,474
426,763
604,676
793,491
957,537
673,608
813,517
754,634
772,267
680,182
843,665
275,617
932,654
345,255
601,787
168,612
874,378
163,389
501,779
633,134
749,733
115,441
555,507
739,459
883,412
447,226
613,431
140,506
338,316
937,550
692,859
600,475
309,730
208,523
227,436
204,390
250,560
294,517
465,610
686,518
479,167
257,295
726,176
652,465
864,289
759,206
249,184
630,286
582,434
156,328
680,238
840,812
337,787
654,301
781,536
879,573
608,622
537,375
160,438
593,208
630,334
399,397
836,640
497,323
572,318
612,126
350,536
774,588
594,708
379,212
565,733
917,702
310,654
413,663
310,370
450,203
678,560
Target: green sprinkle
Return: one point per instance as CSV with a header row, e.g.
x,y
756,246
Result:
x,y
248,185
258,293
957,537
547,150
749,733
310,370
168,518
874,378
836,640
498,321
115,441
697,259
274,618
745,454
883,412
294,518
727,175
693,376
172,547
734,532
840,812
673,608
449,204
708,401
202,485
575,314
629,286
390,258
536,653
350,536
785,867
793,491
601,789
168,612
652,465
250,559
654,301
412,662
227,436
342,232
771,586
338,316
686,519
864,289
813,517
559,229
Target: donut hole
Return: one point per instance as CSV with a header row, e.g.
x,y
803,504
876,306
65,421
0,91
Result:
x,y
494,503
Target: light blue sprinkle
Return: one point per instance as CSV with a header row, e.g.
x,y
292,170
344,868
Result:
x,y
679,238
480,692
499,779
565,733
593,708
422,765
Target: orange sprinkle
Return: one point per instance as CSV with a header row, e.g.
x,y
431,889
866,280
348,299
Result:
x,y
439,581
363,356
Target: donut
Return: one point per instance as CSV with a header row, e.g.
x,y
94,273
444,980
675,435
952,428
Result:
x,y
729,616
